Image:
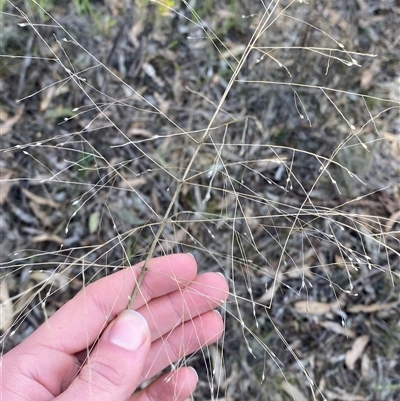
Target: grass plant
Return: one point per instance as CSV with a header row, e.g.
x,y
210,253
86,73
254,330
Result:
x,y
255,135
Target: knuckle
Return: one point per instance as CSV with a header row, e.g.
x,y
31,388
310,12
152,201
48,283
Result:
x,y
104,374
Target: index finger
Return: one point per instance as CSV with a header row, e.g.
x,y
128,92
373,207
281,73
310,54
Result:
x,y
79,323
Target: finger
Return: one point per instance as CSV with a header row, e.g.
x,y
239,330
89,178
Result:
x,y
206,292
163,314
78,324
177,386
185,339
166,313
114,367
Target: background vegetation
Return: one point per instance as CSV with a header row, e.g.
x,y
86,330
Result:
x,y
261,137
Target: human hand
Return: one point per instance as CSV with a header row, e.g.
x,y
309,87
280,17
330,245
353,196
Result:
x,y
172,316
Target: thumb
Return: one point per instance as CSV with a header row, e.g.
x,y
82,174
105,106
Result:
x,y
114,367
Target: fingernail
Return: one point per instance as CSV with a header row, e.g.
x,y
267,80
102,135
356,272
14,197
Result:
x,y
194,371
190,254
221,275
129,330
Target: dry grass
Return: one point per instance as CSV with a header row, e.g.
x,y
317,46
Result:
x,y
267,145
